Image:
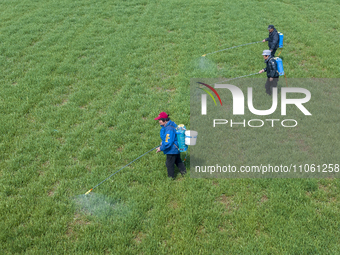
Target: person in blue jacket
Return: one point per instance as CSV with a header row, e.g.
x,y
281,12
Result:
x,y
169,145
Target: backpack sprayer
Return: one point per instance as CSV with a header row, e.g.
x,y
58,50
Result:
x,y
279,66
184,138
280,43
279,60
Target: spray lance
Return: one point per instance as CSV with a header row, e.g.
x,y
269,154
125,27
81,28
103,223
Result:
x,y
279,65
119,170
239,77
279,70
184,138
280,45
231,48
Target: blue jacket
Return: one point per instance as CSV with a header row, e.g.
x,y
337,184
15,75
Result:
x,y
169,139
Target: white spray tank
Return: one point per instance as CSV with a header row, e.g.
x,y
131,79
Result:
x,y
185,137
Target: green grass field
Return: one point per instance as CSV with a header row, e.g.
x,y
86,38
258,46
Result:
x,y
80,85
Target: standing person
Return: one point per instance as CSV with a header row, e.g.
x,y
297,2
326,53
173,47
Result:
x,y
273,39
169,145
271,69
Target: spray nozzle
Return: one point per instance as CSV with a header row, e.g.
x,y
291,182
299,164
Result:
x,y
88,192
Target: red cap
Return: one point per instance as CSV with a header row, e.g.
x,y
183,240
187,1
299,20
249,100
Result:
x,y
162,115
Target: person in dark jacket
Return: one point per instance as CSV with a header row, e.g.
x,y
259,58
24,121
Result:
x,y
272,73
273,39
169,145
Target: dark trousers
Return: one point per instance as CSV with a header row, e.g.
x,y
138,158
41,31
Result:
x,y
273,52
270,84
171,160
